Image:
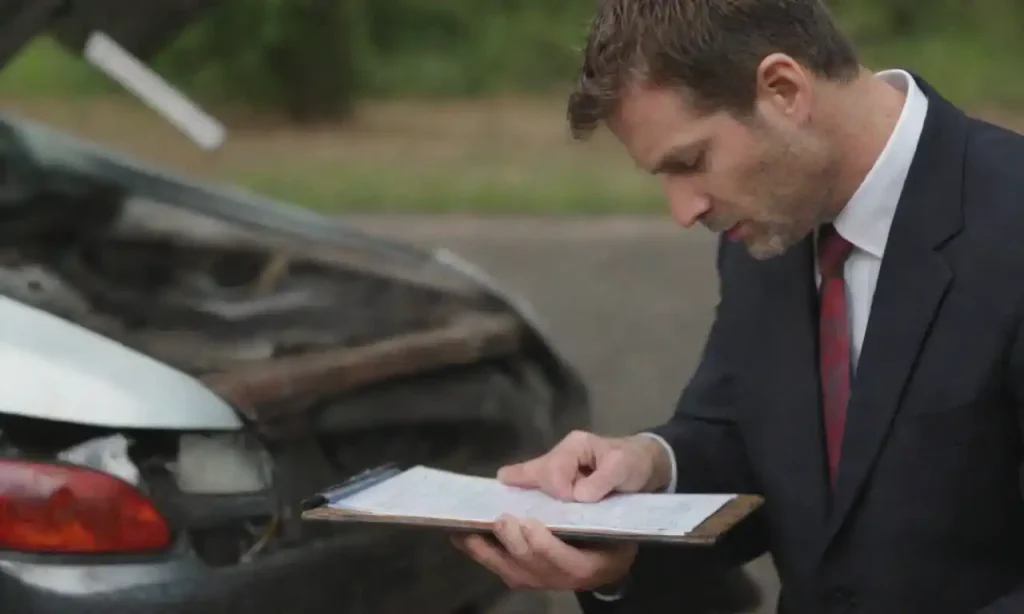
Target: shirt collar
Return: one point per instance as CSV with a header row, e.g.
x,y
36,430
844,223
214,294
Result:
x,y
866,218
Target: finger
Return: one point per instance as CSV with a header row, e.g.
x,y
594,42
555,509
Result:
x,y
579,569
523,475
459,541
555,553
499,563
611,471
553,473
509,532
565,464
560,474
556,472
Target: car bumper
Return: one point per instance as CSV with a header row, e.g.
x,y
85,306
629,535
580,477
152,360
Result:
x,y
413,572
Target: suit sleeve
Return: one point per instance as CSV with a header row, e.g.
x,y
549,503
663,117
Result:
x,y
709,456
1013,603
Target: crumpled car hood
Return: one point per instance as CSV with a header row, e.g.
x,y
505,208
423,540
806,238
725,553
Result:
x,y
59,185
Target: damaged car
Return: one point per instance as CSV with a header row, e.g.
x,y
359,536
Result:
x,y
184,363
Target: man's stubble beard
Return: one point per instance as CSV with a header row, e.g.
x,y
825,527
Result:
x,y
801,215
775,240
797,204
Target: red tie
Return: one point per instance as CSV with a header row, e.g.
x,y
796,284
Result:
x,y
834,339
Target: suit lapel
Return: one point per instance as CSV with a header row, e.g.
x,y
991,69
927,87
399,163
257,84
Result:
x,y
912,284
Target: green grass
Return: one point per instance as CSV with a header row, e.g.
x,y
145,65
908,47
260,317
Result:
x,y
478,189
492,156
467,170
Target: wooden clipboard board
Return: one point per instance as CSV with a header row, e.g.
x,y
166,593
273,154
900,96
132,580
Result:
x,y
707,533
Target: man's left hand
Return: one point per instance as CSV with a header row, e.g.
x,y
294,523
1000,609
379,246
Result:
x,y
526,555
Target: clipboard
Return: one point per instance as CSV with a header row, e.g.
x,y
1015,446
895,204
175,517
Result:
x,y
706,533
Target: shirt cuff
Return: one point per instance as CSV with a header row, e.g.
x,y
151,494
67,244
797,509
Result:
x,y
671,457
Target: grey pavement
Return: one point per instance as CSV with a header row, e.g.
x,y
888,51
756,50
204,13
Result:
x,y
627,300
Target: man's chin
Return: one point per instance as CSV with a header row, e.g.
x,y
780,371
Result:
x,y
766,249
760,245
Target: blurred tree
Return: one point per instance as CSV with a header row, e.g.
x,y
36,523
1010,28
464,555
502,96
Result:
x,y
313,58
296,56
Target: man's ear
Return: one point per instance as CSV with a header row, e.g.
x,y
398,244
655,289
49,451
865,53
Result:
x,y
784,88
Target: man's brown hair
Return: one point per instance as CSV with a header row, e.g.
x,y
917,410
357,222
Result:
x,y
709,49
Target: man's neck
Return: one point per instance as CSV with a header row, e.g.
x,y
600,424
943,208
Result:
x,y
861,118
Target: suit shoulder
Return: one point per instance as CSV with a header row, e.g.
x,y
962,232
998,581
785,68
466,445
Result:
x,y
994,160
993,189
988,248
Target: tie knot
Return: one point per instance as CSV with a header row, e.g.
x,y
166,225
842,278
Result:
x,y
833,250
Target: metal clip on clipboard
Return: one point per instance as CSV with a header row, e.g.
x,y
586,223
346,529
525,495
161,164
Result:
x,y
357,483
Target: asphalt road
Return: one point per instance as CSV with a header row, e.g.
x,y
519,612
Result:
x,y
627,300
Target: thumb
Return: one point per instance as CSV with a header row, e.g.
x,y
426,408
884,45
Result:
x,y
610,473
523,475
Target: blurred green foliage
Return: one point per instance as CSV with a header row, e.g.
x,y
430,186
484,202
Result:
x,y
293,55
272,51
339,49
312,58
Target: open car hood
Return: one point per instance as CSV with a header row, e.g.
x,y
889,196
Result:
x,y
141,28
55,183
53,180
36,159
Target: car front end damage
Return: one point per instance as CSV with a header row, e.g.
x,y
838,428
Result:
x,y
222,356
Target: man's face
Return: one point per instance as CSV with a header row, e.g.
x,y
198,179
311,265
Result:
x,y
763,180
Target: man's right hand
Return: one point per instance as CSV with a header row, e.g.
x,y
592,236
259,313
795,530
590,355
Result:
x,y
582,467
586,467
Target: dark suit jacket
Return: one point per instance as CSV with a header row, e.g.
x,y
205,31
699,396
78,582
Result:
x,y
927,516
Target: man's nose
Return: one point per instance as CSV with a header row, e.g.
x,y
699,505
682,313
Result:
x,y
686,202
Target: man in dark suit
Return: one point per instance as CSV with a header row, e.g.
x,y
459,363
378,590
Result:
x,y
865,369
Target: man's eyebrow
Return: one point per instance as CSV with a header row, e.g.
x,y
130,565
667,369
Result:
x,y
677,154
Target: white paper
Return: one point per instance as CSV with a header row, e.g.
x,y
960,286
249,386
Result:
x,y
431,493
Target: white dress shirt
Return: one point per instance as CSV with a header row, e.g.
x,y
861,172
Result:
x,y
865,222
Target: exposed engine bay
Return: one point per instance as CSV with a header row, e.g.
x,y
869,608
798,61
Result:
x,y
261,317
202,304
205,307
